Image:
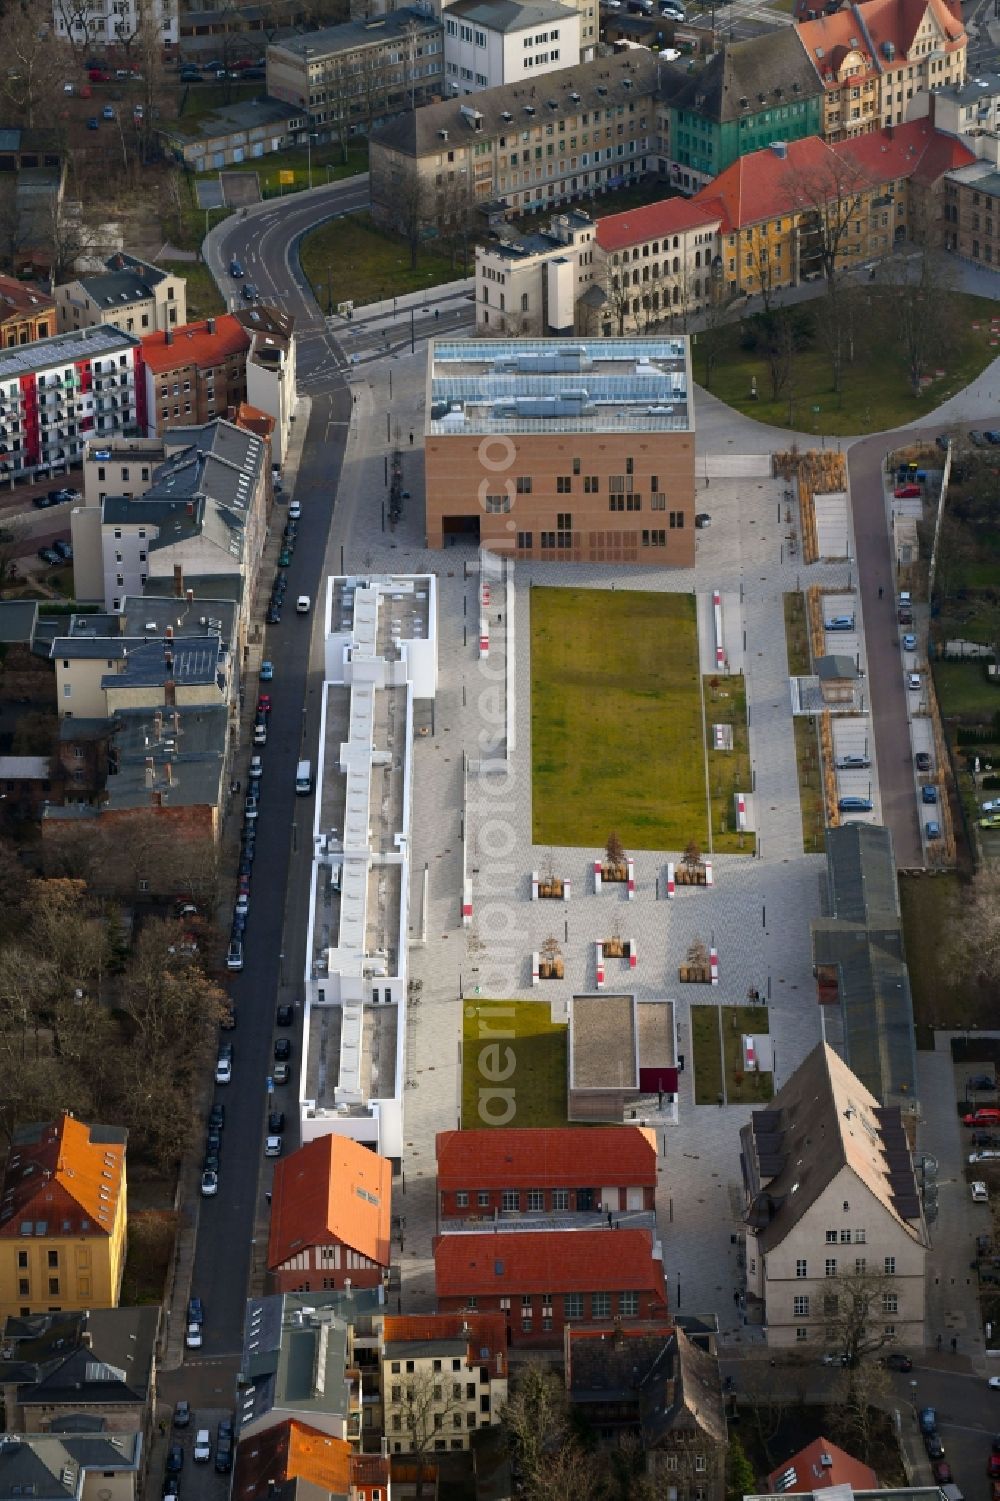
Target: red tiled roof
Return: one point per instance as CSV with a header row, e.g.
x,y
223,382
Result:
x,y
915,150
194,344
332,1188
552,1157
64,1179
487,1332
813,1475
19,297
288,1451
767,184
253,420
898,21
827,41
671,216
547,1261
369,1469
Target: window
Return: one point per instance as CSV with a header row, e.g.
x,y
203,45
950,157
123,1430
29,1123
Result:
x,y
524,541
510,1199
677,521
831,1266
576,466
628,1304
560,1198
831,1304
600,1305
658,501
573,1305
564,484
859,1266
800,1306
54,1260
497,504
630,466
831,1237
801,1335
890,1266
890,1303
859,1237
483,1198
845,1237
22,1258
524,484
54,1287
801,1269
590,484
526,1326
536,1198
462,1199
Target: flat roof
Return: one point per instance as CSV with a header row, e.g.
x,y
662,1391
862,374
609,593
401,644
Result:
x,y
559,385
603,1048
65,349
313,46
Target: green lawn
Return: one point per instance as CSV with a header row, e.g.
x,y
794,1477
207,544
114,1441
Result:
x,y
728,771
963,689
513,1065
327,166
204,299
876,392
366,265
707,1055
743,1088
808,765
616,724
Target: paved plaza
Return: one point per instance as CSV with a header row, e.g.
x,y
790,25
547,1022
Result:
x,y
473,775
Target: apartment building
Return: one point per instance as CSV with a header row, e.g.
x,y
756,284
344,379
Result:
x,y
599,443
63,1220
972,213
297,1365
849,73
130,294
749,94
331,1212
659,262
270,370
72,1466
296,1459
583,130
443,1378
530,284
920,46
831,1196
26,313
58,392
99,23
347,77
512,1174
488,44
58,1371
195,372
543,1281
970,109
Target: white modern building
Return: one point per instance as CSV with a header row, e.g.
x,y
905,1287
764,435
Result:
x,y
113,23
380,670
493,42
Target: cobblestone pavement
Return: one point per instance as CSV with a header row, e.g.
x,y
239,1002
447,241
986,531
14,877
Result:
x,y
757,913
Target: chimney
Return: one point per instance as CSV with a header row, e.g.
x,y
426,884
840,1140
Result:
x,y
210,325
189,596
190,508
157,799
176,722
168,336
87,1340
169,633
158,724
170,774
168,661
150,771
178,581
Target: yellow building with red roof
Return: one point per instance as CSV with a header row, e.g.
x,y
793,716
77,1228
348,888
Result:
x,y
63,1215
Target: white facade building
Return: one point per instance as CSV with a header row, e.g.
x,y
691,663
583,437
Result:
x,y
493,42
112,23
380,664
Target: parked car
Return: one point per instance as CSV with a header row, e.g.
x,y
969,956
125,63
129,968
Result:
x,y
217,1115
282,1073
196,1311
839,623
284,1016
984,1154
48,555
853,763
909,642
855,805
897,1361
932,829
209,1183
928,794
907,492
986,1115
224,1071
266,671
64,549
914,682
264,704
234,954
993,1463
107,113
943,442
272,1146
282,1050
991,821
992,435
202,1446
941,1471
175,1459
182,1415
224,1454
273,614
260,733
922,761
284,558
928,1421
980,1193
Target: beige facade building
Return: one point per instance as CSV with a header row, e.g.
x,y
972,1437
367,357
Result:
x,y
583,130
562,451
443,1377
529,285
833,1213
129,293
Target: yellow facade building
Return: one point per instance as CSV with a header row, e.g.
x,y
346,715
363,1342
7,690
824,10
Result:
x,y
63,1217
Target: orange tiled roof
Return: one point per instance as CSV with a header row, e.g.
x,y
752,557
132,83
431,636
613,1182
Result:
x,y
253,420
547,1261
291,1451
813,1475
898,21
20,297
546,1157
767,184
196,344
487,1332
671,216
915,150
59,1176
828,40
369,1469
332,1188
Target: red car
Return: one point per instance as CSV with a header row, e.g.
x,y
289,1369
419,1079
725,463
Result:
x,y
941,1471
993,1466
907,492
99,75
986,1115
264,707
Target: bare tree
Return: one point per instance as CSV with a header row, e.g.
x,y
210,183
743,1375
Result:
x,y
422,1400
30,85
919,307
413,208
853,1310
830,198
619,295
861,1392
339,96
973,950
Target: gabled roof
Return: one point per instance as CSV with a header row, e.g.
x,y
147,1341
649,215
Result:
x,y
63,1178
745,78
20,297
47,1467
205,344
671,216
546,1157
291,1451
547,1261
331,1189
766,184
820,1122
682,1394
820,1465
484,1334
52,1365
893,24
828,40
915,150
512,15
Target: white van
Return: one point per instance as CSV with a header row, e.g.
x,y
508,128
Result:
x,y
304,778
